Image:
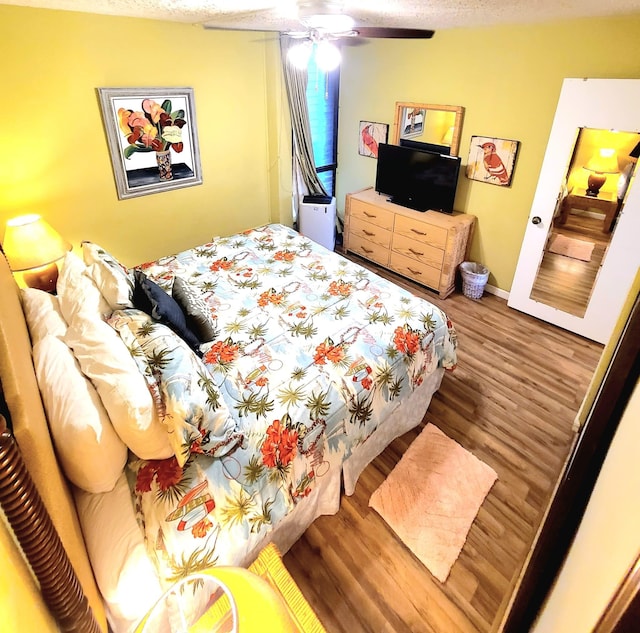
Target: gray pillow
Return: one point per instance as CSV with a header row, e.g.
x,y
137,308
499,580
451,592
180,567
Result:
x,y
198,314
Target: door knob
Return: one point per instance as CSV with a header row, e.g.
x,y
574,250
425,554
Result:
x,y
536,219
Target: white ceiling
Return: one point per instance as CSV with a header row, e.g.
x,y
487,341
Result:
x,y
280,15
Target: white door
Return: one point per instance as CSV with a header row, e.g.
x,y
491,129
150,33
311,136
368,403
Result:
x,y
605,106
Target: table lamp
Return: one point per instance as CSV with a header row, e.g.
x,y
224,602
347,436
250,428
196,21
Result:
x,y
33,247
603,162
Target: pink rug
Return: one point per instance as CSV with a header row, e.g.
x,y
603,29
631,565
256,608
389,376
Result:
x,y
431,498
571,247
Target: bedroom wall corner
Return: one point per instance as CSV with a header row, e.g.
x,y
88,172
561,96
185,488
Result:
x,y
21,604
55,159
279,129
508,78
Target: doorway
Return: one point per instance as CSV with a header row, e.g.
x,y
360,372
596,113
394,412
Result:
x,y
579,254
591,198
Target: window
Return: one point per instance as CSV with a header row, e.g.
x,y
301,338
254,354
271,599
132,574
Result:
x,y
322,102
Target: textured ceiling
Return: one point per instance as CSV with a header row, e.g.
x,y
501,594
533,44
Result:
x,y
280,15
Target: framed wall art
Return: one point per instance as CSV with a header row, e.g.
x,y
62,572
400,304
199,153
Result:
x,y
152,138
371,134
492,160
412,123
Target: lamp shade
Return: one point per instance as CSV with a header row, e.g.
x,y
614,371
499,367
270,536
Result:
x,y
30,242
604,161
448,136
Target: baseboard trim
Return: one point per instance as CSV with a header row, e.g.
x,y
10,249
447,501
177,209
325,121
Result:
x,y
498,292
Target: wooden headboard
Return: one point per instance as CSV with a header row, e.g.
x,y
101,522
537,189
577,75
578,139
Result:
x,y
31,432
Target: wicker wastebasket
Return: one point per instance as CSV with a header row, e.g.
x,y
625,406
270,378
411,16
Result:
x,y
474,279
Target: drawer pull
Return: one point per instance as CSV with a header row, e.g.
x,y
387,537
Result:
x,y
414,272
366,250
418,232
370,215
368,233
416,252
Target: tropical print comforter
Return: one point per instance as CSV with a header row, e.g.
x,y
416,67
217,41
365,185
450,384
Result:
x,y
312,354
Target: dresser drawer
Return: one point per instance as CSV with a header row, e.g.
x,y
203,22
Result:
x,y
369,213
370,232
367,249
421,231
416,270
423,253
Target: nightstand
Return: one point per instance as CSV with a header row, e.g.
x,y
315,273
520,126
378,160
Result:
x,y
605,202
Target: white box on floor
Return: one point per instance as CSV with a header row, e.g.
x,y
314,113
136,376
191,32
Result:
x,y
317,220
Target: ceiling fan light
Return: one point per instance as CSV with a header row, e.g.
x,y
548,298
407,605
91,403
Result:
x,y
329,22
299,54
327,56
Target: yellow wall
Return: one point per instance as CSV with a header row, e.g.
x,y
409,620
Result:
x,y
54,159
508,79
21,605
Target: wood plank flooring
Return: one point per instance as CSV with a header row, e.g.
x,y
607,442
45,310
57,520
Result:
x,y
511,401
567,283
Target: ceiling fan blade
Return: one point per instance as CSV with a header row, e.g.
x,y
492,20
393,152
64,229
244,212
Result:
x,y
390,32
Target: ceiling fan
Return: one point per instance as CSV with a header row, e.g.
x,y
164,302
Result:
x,y
327,17
319,19
322,22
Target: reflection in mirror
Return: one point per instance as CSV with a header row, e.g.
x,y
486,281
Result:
x,y
434,127
592,196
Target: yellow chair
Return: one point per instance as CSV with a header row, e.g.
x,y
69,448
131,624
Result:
x,y
262,599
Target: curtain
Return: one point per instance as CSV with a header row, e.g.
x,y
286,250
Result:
x,y
304,166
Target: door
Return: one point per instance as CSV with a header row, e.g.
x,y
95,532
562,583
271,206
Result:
x,y
579,281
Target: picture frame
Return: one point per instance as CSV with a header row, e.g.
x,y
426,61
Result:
x,y
370,135
412,123
492,160
152,138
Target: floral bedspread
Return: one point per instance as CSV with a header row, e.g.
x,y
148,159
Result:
x,y
312,353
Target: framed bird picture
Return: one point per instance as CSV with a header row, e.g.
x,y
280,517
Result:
x,y
370,134
492,160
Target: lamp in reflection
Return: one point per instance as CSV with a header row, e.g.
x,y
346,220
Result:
x,y
604,161
448,136
33,247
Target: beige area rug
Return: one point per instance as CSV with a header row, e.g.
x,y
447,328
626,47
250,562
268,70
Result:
x,y
570,247
431,498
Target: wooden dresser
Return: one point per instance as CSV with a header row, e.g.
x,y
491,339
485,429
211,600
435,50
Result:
x,y
426,247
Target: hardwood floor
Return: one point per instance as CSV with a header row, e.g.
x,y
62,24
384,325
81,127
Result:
x,y
567,283
511,401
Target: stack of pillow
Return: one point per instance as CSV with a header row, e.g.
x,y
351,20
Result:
x,y
98,395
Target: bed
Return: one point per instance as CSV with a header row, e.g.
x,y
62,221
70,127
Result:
x,y
232,420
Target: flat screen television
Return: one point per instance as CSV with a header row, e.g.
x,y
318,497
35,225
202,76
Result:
x,y
416,178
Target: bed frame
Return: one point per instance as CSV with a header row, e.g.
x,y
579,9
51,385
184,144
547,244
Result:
x,y
33,485
74,598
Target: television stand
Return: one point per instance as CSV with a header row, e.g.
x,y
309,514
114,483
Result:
x,y
426,247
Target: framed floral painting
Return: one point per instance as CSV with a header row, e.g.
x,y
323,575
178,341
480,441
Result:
x,y
152,138
370,135
492,160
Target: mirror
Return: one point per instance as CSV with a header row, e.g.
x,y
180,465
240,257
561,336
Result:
x,y
437,127
593,194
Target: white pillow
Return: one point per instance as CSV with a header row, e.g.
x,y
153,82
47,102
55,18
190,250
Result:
x,y
90,451
109,275
77,292
107,362
42,313
125,574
